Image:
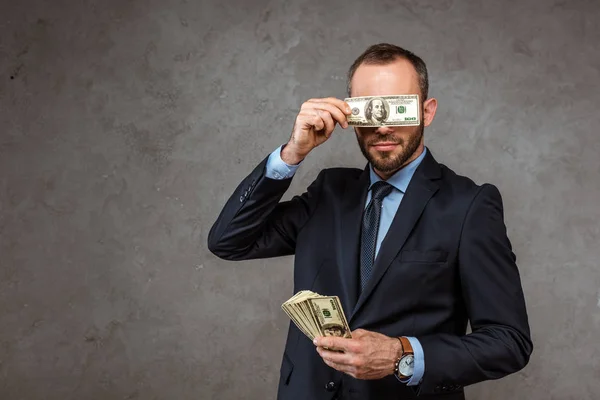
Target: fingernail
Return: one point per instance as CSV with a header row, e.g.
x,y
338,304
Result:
x,y
348,109
315,342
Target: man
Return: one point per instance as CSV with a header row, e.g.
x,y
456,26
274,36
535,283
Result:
x,y
413,250
376,111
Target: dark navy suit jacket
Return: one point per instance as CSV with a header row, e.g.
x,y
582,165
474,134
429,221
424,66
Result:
x,y
446,260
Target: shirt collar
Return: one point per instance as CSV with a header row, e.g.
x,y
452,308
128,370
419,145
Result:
x,y
402,177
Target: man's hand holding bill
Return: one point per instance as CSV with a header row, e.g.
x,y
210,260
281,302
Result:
x,y
368,355
314,125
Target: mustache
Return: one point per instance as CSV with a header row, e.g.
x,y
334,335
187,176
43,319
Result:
x,y
384,139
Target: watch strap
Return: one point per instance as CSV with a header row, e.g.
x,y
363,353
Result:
x,y
407,350
406,346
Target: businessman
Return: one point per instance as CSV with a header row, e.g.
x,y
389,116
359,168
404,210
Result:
x,y
413,250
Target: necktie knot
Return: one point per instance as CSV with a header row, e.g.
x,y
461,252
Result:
x,y
380,189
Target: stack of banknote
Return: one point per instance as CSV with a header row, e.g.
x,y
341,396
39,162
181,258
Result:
x,y
374,111
317,315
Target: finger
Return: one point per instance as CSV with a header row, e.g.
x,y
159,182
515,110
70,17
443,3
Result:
x,y
335,356
318,122
328,120
336,343
341,104
311,118
334,111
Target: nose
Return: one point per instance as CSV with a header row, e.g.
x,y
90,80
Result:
x,y
384,130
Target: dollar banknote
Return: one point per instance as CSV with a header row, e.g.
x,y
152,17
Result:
x,y
398,110
317,315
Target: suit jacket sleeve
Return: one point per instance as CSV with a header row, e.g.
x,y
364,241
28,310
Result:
x,y
255,224
500,341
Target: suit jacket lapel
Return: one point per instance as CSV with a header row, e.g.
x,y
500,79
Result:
x,y
421,188
348,246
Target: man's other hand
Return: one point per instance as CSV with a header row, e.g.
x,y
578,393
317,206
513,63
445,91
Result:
x,y
368,355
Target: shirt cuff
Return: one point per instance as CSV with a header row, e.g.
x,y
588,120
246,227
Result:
x,y
276,168
419,369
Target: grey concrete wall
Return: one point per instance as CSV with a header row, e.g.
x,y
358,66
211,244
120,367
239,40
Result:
x,y
125,125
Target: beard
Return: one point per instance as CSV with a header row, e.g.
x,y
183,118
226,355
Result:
x,y
389,161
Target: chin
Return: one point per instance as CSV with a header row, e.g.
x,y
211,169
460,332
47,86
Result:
x,y
385,161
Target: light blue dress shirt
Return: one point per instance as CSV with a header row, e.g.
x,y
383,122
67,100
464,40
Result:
x,y
277,169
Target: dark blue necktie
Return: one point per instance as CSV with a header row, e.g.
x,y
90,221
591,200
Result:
x,y
370,227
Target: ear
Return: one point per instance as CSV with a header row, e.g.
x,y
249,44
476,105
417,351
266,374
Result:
x,y
429,108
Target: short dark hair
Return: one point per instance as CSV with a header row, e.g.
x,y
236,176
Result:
x,y
385,53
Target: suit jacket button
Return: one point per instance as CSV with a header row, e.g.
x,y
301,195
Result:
x,y
241,199
330,386
445,388
437,389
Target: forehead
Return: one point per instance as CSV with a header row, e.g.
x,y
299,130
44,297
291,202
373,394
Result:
x,y
398,77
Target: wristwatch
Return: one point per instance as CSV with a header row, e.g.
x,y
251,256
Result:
x,y
406,363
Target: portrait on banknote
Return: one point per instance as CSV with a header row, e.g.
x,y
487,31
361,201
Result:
x,y
334,330
377,110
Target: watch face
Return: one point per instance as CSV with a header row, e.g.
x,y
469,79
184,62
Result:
x,y
407,365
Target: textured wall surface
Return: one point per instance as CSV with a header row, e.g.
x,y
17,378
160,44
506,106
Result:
x,y
126,124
